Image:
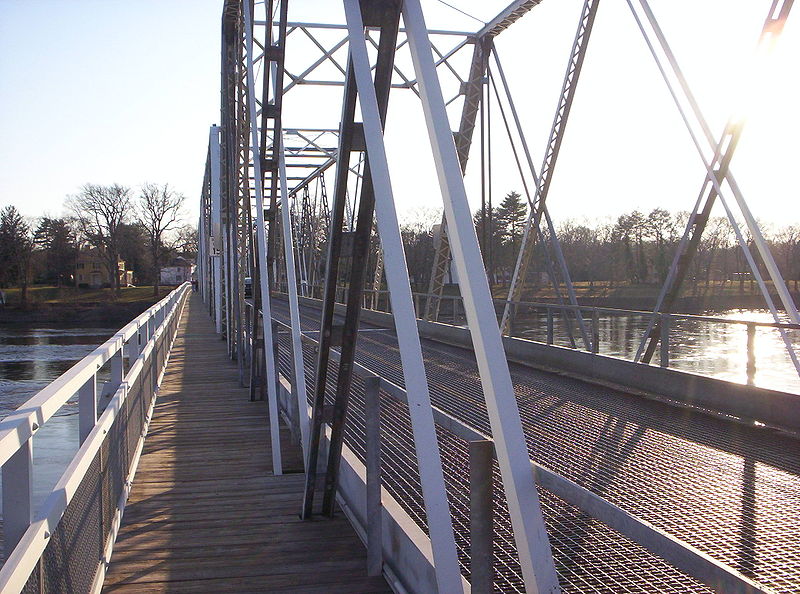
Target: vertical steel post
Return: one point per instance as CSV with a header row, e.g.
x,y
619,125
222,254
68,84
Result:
x,y
298,366
87,407
372,413
595,330
665,323
751,354
117,370
17,494
550,326
481,531
216,226
133,349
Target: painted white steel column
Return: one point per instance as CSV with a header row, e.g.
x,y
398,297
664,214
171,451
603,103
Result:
x,y
87,406
17,494
272,392
201,256
530,535
445,558
216,226
298,367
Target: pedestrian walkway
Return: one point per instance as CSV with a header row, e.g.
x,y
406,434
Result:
x,y
206,514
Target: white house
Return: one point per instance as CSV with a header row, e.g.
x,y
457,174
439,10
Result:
x,y
179,271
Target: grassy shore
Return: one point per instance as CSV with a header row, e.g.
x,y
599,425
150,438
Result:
x,y
55,305
44,295
693,299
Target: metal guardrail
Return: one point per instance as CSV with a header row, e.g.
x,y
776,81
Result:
x,y
67,544
683,556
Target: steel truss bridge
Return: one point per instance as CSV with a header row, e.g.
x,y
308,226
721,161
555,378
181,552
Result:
x,y
465,457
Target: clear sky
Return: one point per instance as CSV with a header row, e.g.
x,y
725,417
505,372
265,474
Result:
x,y
109,91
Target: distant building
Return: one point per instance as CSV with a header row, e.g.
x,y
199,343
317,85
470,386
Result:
x,y
179,271
91,271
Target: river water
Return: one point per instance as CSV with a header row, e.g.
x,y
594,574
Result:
x,y
713,349
32,357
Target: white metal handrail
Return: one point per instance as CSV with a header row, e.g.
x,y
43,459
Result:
x,y
138,340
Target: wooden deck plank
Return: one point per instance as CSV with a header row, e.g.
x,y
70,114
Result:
x,y
205,513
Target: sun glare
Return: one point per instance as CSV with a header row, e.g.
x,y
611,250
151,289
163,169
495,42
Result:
x,y
762,80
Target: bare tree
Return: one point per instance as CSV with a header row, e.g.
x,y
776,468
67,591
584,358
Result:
x,y
159,211
186,241
100,212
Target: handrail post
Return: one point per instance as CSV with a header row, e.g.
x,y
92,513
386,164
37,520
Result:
x,y
751,354
514,318
665,321
17,495
117,371
151,325
372,432
133,347
595,330
481,454
154,371
550,327
87,407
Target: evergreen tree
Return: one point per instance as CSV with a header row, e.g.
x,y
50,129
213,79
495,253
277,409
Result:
x,y
16,247
510,223
56,239
510,218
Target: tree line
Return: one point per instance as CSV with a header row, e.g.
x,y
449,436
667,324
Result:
x,y
145,229
636,248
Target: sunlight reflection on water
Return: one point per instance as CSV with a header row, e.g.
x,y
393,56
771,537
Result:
x,y
713,349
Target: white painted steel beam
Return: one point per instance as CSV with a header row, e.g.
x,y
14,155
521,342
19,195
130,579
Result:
x,y
530,535
17,495
272,390
448,575
216,225
298,366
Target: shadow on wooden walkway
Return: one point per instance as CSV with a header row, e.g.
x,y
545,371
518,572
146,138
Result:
x,y
206,514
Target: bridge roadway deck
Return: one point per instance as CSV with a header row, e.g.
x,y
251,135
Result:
x,y
205,513
732,491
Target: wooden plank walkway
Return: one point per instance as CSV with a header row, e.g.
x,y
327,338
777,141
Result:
x,y
206,514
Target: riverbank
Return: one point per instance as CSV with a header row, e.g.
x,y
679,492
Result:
x,y
643,297
77,307
688,304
